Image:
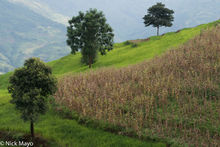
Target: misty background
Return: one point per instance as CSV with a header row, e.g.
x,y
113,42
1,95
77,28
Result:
x,y
38,27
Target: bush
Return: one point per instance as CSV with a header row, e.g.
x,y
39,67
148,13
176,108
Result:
x,y
134,45
127,43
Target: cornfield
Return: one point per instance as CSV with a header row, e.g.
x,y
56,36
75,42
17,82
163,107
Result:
x,y
175,96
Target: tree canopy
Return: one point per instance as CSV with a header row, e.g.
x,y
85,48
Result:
x,y
30,87
159,16
89,33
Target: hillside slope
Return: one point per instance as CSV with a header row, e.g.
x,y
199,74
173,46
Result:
x,y
175,96
130,109
126,53
58,130
123,54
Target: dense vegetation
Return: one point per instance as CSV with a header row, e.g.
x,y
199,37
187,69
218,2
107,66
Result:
x,y
175,96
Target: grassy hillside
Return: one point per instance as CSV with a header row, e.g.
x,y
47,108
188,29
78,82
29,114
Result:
x,y
60,131
64,131
175,96
123,54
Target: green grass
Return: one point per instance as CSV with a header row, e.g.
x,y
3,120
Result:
x,y
63,131
123,55
67,132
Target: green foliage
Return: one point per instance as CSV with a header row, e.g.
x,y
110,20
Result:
x,y
159,16
127,43
30,87
134,45
90,33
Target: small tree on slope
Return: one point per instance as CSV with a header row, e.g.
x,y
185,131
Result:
x,y
89,33
30,87
159,16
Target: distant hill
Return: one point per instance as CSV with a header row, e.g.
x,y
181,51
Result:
x,y
125,16
37,27
24,33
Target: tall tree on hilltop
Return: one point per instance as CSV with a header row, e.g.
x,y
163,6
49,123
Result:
x,y
30,87
159,16
89,33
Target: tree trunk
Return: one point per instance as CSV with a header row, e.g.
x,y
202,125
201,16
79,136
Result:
x,y
32,129
90,61
158,31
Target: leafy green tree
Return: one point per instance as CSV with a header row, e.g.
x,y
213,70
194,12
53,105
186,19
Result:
x,y
159,16
30,87
89,33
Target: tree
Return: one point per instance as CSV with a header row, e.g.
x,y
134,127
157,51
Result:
x,y
159,16
89,33
30,87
